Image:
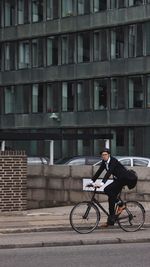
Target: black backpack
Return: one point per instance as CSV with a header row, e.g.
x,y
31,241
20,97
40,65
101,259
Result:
x,y
132,179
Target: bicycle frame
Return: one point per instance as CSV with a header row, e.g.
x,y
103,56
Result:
x,y
95,201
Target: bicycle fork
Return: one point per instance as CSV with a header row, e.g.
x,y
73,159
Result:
x,y
87,211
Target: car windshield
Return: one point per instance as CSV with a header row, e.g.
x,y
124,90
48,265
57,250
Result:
x,y
37,160
62,161
80,161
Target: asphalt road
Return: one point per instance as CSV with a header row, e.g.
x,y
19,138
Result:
x,y
110,255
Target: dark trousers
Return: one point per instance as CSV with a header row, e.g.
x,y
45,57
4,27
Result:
x,y
112,190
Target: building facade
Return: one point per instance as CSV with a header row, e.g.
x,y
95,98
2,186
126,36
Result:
x,y
76,67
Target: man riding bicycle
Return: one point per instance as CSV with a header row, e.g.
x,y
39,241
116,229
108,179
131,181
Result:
x,y
121,177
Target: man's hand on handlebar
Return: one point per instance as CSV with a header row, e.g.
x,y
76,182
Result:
x,y
93,184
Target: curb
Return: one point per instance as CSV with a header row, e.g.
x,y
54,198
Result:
x,y
75,243
48,229
35,229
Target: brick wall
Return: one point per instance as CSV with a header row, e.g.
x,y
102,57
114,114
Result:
x,y
13,181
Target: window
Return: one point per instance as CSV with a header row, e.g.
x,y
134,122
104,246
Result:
x,y
1,100
37,98
9,52
100,94
53,97
132,38
139,40
84,147
135,2
24,55
148,92
147,33
9,99
135,40
140,162
83,96
100,143
52,50
84,47
37,10
125,162
120,139
113,4
37,52
68,49
22,96
83,7
69,146
68,96
0,56
117,3
131,138
1,14
117,43
121,3
67,8
117,93
100,45
136,95
16,99
23,11
9,16
99,5
119,143
52,9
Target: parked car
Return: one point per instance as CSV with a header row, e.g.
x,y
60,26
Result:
x,y
131,161
37,160
78,160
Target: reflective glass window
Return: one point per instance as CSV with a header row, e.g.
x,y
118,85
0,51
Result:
x,y
83,96
84,47
53,97
68,96
24,54
100,94
37,98
37,10
136,92
52,50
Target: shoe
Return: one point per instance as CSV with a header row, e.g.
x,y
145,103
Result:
x,y
120,209
107,224
110,221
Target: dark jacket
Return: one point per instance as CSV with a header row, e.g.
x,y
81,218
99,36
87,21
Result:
x,y
115,168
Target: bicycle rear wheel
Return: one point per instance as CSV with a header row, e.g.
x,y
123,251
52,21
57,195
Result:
x,y
84,217
132,217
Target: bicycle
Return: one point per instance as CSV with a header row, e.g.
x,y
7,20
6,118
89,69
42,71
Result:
x,y
85,216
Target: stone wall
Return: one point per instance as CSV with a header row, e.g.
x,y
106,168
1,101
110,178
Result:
x,y
13,181
63,185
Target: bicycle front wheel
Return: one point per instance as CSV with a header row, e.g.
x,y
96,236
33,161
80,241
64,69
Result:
x,y
84,217
132,217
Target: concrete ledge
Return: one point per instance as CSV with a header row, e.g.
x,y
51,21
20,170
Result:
x,y
53,185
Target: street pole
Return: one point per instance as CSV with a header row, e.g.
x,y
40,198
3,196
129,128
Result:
x,y
51,152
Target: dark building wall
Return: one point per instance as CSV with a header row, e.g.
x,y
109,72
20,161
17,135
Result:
x,y
107,119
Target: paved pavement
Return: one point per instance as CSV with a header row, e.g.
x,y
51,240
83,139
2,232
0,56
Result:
x,y
51,227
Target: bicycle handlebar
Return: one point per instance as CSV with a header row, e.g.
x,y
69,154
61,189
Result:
x,y
90,185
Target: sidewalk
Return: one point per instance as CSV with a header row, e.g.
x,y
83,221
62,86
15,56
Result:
x,y
50,226
56,218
